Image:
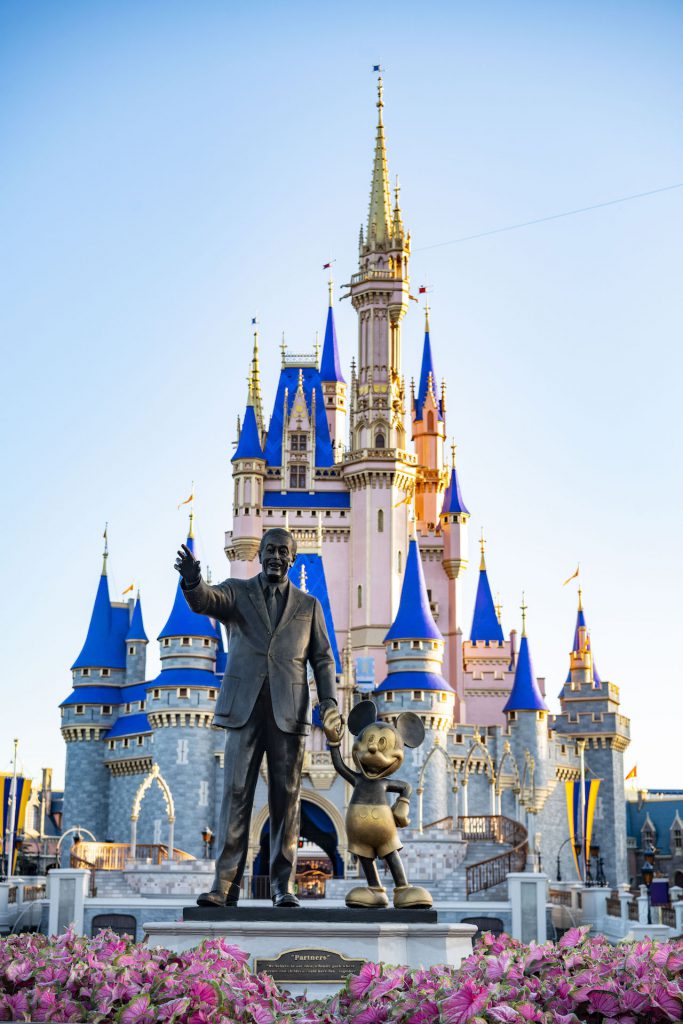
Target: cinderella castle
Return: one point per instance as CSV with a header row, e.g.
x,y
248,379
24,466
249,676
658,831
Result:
x,y
359,470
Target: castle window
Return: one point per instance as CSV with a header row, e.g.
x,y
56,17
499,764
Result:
x,y
430,422
186,642
128,708
400,562
183,692
125,743
360,596
389,696
166,642
156,694
379,441
416,645
105,672
140,740
395,645
297,476
443,696
207,643
182,751
380,521
512,716
111,744
212,694
418,695
677,839
131,649
106,709
458,737
143,704
80,709
299,442
85,671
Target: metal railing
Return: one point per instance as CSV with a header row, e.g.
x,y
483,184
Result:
x,y
115,856
613,906
633,911
561,898
34,892
668,916
494,870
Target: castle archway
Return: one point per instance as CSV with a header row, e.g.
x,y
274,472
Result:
x,y
153,776
321,824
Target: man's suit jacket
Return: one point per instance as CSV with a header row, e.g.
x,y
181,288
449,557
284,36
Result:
x,y
255,651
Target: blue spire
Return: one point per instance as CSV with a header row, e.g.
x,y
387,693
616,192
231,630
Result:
x,y
525,694
414,619
104,645
582,624
452,500
136,630
330,367
249,445
425,372
183,621
485,624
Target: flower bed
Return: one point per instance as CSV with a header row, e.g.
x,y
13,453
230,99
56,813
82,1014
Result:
x,y
503,982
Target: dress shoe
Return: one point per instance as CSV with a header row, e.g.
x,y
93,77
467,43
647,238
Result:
x,y
217,898
285,899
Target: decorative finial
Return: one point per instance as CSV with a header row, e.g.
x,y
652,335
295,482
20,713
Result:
x,y
523,608
317,349
580,599
301,378
453,450
105,553
426,316
397,193
302,579
190,532
282,349
482,545
499,607
380,90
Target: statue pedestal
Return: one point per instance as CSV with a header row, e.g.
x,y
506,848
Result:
x,y
315,949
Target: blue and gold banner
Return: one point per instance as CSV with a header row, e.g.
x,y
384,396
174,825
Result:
x,y
585,834
13,822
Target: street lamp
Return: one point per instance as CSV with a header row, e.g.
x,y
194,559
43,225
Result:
x,y
647,873
207,838
577,851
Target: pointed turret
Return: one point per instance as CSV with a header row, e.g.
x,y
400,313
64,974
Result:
x,y
136,630
428,385
485,624
104,646
183,622
453,503
255,387
581,656
333,383
248,474
136,645
249,444
525,694
429,434
414,619
379,216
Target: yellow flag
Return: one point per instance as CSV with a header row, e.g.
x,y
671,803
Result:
x,y
404,501
187,500
128,590
572,577
633,773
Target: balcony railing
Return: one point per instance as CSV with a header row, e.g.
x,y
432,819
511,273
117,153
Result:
x,y
497,829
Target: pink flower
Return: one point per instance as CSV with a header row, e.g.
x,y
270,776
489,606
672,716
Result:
x,y
573,937
465,1003
361,982
138,1011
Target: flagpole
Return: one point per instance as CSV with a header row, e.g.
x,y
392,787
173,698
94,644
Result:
x,y
11,814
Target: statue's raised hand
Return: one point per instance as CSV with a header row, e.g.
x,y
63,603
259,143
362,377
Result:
x,y
188,566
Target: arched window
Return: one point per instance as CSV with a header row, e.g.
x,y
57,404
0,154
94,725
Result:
x,y
400,562
380,521
360,596
430,422
379,441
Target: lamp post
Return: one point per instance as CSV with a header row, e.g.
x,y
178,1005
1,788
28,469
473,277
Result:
x,y
647,874
577,851
207,839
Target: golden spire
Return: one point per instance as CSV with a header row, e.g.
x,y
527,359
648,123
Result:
x,y
379,217
317,350
398,222
482,545
255,384
453,450
190,532
105,553
523,607
301,378
330,289
580,599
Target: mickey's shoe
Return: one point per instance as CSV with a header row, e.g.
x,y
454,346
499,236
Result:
x,y
412,897
367,896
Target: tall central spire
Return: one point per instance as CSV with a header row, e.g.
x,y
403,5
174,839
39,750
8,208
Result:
x,y
379,217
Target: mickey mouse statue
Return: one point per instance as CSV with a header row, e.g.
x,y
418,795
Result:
x,y
371,823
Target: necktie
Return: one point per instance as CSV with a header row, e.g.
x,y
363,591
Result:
x,y
271,605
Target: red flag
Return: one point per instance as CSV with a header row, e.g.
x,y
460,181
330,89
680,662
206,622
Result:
x,y
422,290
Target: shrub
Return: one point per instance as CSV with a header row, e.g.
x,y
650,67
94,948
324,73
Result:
x,y
579,979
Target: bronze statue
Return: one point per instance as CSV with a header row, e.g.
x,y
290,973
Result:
x,y
371,823
274,630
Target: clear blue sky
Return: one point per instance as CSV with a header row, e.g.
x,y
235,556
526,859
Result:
x,y
169,169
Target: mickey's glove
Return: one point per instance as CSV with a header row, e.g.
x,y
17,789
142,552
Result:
x,y
400,811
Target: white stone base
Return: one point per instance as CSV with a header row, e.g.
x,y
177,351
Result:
x,y
417,945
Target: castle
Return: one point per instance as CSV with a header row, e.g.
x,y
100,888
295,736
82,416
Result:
x,y
359,472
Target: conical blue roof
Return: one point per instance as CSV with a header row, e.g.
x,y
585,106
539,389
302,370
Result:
x,y
289,382
136,630
581,623
426,370
525,694
414,619
330,367
452,499
183,621
249,444
485,624
104,644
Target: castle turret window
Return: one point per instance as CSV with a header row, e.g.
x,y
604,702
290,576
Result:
x,y
183,693
297,476
212,694
156,694
299,442
166,642
418,695
111,744
207,642
106,709
131,649
360,596
85,671
140,740
380,521
125,743
143,704
186,642
105,672
128,708
80,709
379,441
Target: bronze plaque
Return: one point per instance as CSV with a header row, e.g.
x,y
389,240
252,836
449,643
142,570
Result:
x,y
306,966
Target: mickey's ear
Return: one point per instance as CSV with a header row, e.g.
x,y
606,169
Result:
x,y
362,714
410,727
